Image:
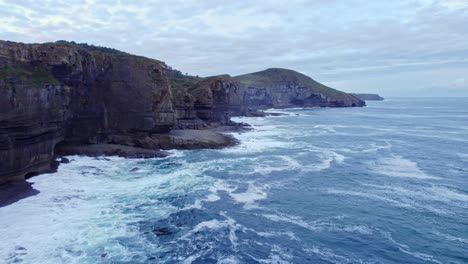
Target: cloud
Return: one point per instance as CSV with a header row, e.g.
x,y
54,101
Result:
x,y
341,43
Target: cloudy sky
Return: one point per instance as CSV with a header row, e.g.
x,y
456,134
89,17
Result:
x,y
395,48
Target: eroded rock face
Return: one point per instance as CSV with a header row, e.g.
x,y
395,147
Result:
x,y
62,92
32,121
207,101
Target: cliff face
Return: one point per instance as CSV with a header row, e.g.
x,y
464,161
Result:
x,y
66,96
61,92
199,101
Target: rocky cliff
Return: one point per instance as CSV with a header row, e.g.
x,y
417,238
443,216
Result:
x,y
56,96
61,92
368,97
199,102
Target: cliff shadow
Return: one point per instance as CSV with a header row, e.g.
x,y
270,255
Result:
x,y
15,191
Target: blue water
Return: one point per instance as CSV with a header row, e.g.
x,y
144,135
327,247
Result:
x,y
387,183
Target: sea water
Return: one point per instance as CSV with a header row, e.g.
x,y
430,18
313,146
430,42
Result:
x,y
386,183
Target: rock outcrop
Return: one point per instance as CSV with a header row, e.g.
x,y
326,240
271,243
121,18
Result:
x,y
202,102
61,92
74,95
368,97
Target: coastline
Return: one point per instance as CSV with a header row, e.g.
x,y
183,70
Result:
x,y
215,137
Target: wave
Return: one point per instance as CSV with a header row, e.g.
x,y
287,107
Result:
x,y
452,238
84,209
407,250
393,198
250,196
423,193
329,255
326,224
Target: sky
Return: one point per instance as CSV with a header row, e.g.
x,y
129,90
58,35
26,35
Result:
x,y
394,48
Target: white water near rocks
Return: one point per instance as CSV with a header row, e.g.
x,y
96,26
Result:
x,y
381,184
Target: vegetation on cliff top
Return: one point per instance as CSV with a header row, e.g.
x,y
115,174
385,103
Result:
x,y
38,77
275,76
181,83
91,47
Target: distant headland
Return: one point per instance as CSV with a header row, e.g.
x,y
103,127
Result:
x,y
368,97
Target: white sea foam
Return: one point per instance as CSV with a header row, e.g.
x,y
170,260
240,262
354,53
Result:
x,y
290,219
447,194
453,238
397,166
328,255
192,258
288,234
248,198
375,147
281,163
85,206
277,256
423,193
415,197
368,195
463,156
327,158
328,224
253,194
228,260
265,136
229,223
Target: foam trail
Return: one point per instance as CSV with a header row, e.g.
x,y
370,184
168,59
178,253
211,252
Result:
x,y
397,166
407,250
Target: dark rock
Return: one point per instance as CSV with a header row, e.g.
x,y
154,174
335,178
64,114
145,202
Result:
x,y
194,139
163,231
15,191
110,150
275,114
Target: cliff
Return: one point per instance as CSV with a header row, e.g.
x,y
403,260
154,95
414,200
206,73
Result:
x,y
79,99
280,88
368,97
61,92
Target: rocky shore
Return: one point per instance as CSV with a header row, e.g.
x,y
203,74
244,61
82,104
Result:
x,y
65,98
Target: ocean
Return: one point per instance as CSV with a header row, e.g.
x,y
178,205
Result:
x,y
386,183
